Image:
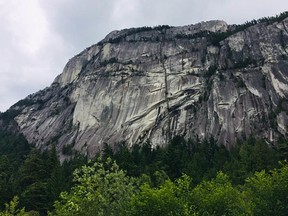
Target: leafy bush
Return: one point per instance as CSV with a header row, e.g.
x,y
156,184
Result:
x,y
101,189
219,197
268,192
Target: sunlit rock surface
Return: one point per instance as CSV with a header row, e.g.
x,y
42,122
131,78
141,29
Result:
x,y
154,83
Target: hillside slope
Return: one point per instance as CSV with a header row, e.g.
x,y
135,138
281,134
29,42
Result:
x,y
199,80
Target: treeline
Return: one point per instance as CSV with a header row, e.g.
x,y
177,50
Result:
x,y
183,178
132,31
201,160
36,178
215,38
102,188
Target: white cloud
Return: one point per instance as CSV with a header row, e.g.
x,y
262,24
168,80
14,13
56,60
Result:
x,y
37,37
27,26
237,12
29,51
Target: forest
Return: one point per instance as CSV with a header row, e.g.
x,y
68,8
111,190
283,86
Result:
x,y
187,177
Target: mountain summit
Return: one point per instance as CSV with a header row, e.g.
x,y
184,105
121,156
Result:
x,y
202,80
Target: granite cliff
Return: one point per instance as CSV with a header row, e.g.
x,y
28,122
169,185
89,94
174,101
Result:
x,y
198,80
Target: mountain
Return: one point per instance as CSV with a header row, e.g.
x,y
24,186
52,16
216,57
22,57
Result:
x,y
202,80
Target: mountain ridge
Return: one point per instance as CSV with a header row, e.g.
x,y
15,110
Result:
x,y
207,79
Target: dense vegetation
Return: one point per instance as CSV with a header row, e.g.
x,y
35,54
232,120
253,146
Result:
x,y
35,177
104,189
188,177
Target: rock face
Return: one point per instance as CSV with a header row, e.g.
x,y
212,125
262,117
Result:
x,y
153,83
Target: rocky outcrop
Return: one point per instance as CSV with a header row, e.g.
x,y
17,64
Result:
x,y
153,83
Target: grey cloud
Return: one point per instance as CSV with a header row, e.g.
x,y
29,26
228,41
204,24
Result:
x,y
73,25
80,23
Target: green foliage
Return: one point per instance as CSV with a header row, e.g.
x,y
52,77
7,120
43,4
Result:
x,y
251,156
37,178
42,179
6,170
268,191
33,182
68,149
13,150
14,146
33,169
140,159
219,197
135,31
101,189
104,189
199,160
36,197
162,27
168,199
213,38
24,102
12,209
9,115
277,18
185,177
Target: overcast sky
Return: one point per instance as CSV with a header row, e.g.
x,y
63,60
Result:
x,y
38,37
